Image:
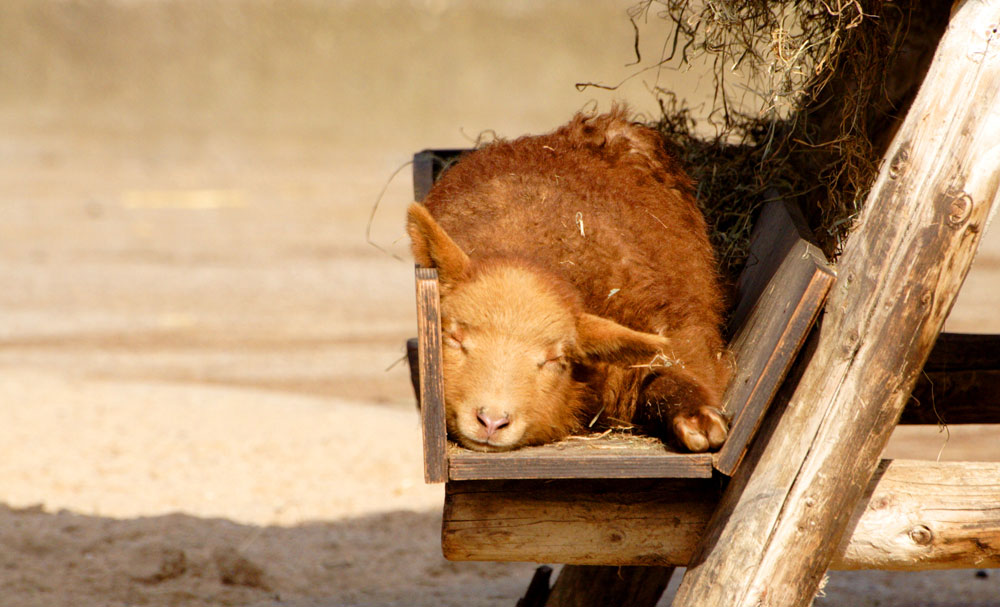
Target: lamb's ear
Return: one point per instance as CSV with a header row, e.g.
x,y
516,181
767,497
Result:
x,y
603,340
433,248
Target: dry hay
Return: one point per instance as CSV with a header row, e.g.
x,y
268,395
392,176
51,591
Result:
x,y
822,87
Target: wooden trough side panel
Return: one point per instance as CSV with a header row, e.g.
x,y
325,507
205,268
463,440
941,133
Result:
x,y
431,377
581,522
790,501
779,228
782,292
915,515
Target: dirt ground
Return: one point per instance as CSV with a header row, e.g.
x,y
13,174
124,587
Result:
x,y
201,399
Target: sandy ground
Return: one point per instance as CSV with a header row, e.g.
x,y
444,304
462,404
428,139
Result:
x,y
199,400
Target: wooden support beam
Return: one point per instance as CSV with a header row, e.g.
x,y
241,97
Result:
x,y
609,586
789,504
960,383
955,397
914,515
964,352
428,166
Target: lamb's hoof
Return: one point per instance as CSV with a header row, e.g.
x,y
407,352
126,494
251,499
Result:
x,y
702,430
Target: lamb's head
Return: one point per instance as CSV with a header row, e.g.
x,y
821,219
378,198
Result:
x,y
515,343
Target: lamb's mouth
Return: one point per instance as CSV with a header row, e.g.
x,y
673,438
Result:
x,y
486,446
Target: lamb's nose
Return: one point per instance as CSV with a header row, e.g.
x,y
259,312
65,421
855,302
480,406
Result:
x,y
492,423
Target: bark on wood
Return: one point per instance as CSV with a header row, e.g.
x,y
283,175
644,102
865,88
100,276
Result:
x,y
609,586
771,538
914,515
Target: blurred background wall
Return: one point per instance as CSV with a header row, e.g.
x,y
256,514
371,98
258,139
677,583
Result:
x,y
185,186
193,94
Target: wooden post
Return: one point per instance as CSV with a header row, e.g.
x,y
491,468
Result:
x,y
609,586
782,517
538,589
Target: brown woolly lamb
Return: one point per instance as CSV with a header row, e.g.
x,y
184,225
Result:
x,y
578,289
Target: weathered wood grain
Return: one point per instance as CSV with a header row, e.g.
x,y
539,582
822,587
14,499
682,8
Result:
x,y
582,522
778,229
435,434
790,501
914,515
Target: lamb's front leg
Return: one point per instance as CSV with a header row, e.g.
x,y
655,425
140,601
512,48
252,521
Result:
x,y
675,398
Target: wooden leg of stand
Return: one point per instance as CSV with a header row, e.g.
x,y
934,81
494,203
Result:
x,y
599,586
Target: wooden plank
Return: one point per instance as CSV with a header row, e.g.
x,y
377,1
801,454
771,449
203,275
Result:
x,y
960,383
789,504
964,352
581,457
914,515
428,166
435,434
954,397
782,292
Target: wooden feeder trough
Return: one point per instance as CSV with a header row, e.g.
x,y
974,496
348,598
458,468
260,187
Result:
x,y
811,493
575,484
780,294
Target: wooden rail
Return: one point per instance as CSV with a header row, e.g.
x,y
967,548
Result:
x,y
914,515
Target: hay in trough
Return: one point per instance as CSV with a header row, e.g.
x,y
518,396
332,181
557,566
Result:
x,y
822,87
